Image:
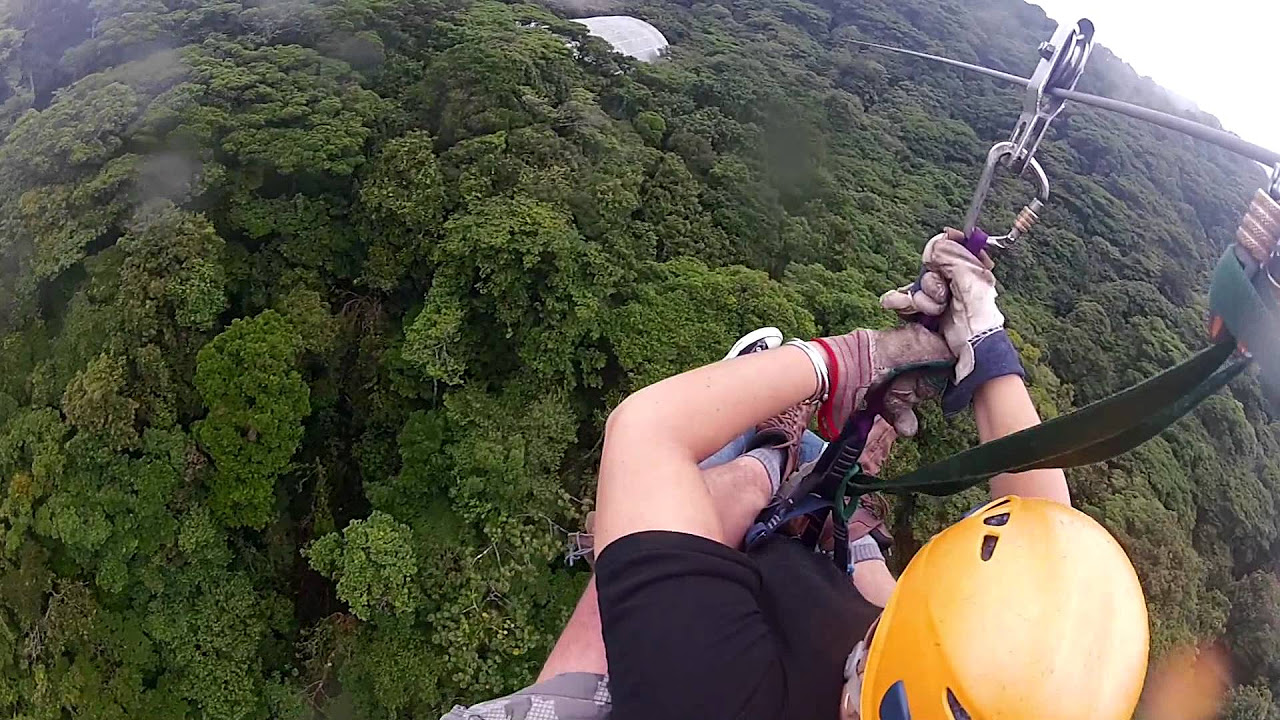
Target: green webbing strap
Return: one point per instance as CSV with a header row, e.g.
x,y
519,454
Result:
x,y
1250,315
1121,422
1093,433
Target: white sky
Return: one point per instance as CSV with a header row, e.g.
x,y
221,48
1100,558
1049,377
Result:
x,y
1223,55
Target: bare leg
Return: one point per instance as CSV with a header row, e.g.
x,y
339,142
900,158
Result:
x,y
581,644
739,489
874,581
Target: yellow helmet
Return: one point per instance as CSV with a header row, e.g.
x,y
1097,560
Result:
x,y
1025,609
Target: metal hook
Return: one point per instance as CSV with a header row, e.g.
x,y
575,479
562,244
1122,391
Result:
x,y
1005,152
1062,61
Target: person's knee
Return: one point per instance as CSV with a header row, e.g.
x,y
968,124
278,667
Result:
x,y
631,418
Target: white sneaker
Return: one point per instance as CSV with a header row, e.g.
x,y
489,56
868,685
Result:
x,y
758,340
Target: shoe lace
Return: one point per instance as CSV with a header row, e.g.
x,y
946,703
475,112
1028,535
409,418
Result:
x,y
791,424
876,504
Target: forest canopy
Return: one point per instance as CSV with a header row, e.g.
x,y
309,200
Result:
x,y
311,313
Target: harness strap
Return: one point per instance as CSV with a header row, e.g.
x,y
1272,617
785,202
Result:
x,y
1243,297
1096,432
788,509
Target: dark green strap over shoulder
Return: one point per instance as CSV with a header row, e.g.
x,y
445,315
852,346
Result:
x,y
1123,421
1248,309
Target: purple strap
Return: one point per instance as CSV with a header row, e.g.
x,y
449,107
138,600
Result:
x,y
860,422
932,323
977,241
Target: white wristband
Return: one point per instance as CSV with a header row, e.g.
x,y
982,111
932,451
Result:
x,y
819,369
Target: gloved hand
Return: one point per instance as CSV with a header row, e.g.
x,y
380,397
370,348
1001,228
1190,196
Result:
x,y
960,289
876,450
909,359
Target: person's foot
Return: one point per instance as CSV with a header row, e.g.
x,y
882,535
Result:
x,y
758,340
870,519
582,545
876,450
811,449
785,432
911,359
867,520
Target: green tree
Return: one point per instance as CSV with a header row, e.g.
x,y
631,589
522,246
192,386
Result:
x,y
402,192
93,403
270,270
285,109
257,401
1254,623
373,564
1250,702
171,276
651,127
683,313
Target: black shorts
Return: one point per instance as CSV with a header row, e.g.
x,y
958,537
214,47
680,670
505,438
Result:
x,y
694,629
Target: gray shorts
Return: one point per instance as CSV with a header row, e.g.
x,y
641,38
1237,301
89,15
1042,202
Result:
x,y
568,696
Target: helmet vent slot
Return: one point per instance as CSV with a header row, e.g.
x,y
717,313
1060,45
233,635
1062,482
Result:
x,y
893,706
989,546
996,520
957,710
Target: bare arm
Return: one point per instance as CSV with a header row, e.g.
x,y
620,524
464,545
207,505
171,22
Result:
x,y
1002,407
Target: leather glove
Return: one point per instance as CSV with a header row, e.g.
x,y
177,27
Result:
x,y
960,289
879,443
910,359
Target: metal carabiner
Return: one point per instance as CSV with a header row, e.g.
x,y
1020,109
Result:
x,y
1005,152
1273,189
